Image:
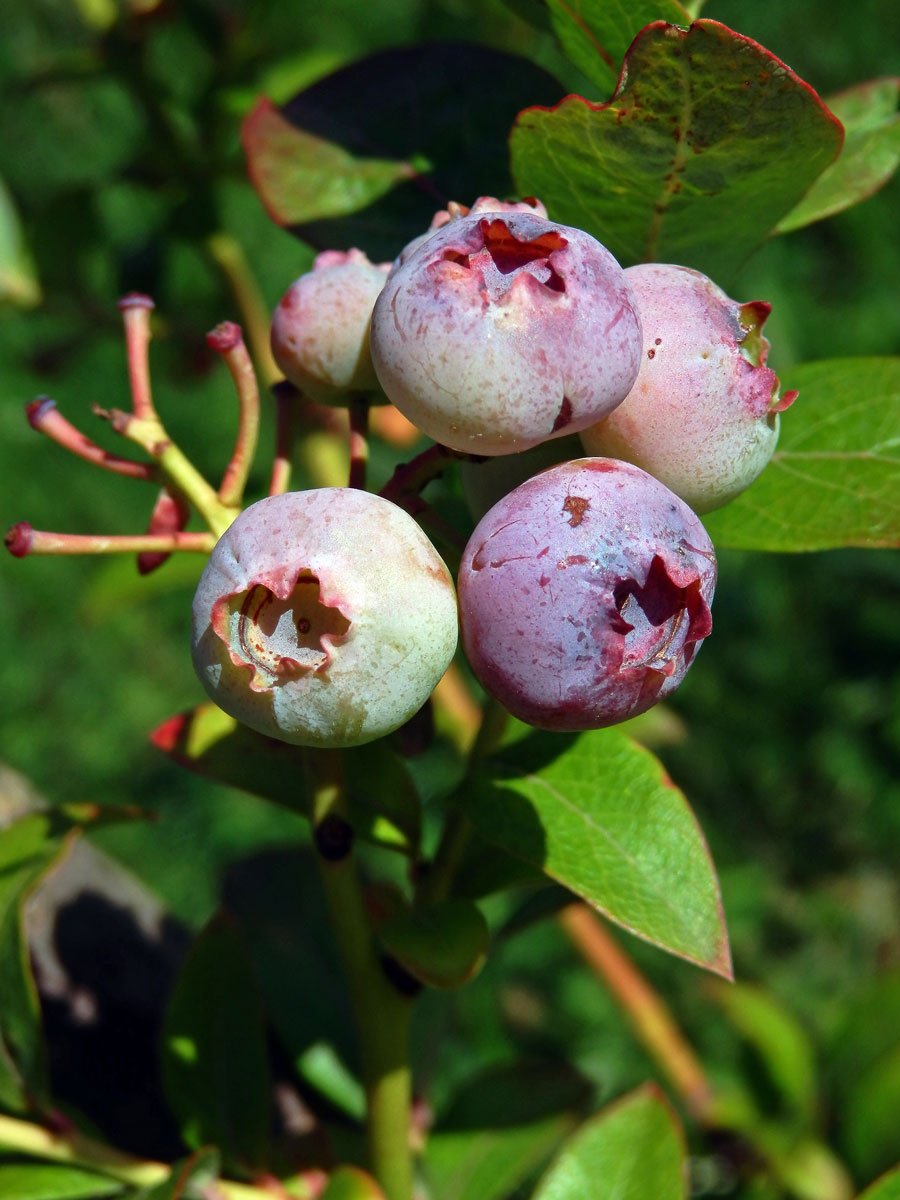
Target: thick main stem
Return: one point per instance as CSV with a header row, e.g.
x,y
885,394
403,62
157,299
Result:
x,y
382,1013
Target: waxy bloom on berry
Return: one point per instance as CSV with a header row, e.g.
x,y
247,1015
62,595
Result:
x,y
584,595
320,329
703,413
323,618
502,330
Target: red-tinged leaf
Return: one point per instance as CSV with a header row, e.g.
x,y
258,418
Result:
x,y
384,805
171,514
885,1188
350,1183
634,1147
870,154
300,177
835,478
595,34
708,141
598,814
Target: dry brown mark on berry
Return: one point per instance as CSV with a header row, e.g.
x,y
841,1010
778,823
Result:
x,y
576,506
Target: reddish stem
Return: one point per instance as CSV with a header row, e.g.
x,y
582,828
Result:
x,y
228,340
22,540
44,416
171,514
285,396
412,477
135,310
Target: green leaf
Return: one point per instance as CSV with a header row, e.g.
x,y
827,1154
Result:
x,y
885,1188
18,281
595,34
27,849
320,1066
707,143
597,813
780,1040
870,1131
869,157
631,1150
350,1183
384,806
443,945
501,1128
835,478
43,1181
215,1065
300,177
190,1178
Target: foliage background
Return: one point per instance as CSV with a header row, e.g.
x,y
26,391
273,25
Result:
x,y
119,149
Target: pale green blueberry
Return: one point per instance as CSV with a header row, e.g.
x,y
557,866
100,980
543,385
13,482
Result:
x,y
323,618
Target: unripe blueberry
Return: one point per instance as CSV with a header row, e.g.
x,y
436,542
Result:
x,y
489,480
454,211
501,331
584,595
703,413
323,618
320,329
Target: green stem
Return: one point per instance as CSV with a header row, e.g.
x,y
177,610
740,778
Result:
x,y
382,1013
438,883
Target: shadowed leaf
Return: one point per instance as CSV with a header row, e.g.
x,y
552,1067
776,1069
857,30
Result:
x,y
215,1066
598,814
835,478
885,1188
443,945
708,141
869,157
300,177
633,1148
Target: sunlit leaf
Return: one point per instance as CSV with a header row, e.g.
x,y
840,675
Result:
x,y
597,813
835,478
18,281
215,1065
300,177
885,1188
383,803
350,1183
869,157
708,141
501,1127
595,34
45,1181
632,1150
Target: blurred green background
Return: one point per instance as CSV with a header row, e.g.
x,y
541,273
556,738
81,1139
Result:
x,y
120,159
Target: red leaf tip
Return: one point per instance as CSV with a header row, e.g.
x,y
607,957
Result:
x,y
167,735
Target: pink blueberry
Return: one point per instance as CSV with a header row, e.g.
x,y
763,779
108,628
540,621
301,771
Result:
x,y
503,330
454,211
703,413
584,595
323,618
320,329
